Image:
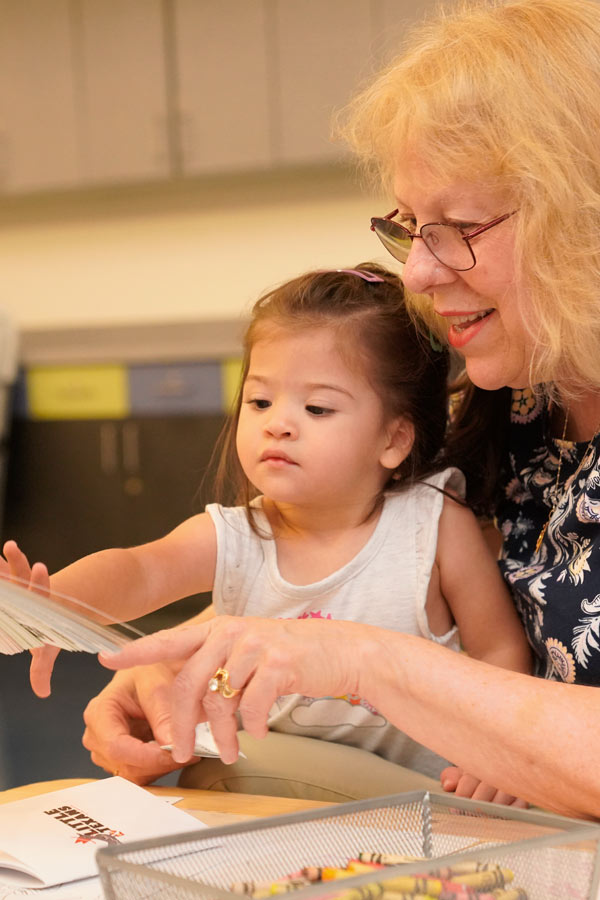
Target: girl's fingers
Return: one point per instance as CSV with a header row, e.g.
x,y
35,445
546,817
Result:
x,y
39,579
40,670
18,564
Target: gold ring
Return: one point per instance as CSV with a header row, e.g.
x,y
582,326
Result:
x,y
220,682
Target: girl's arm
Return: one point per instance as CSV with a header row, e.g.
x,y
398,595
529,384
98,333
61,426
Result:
x,y
474,590
125,584
488,624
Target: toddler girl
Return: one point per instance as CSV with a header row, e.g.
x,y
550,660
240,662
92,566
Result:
x,y
343,508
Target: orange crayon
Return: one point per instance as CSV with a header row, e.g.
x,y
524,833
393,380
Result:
x,y
330,873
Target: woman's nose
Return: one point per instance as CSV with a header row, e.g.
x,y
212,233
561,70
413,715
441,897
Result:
x,y
422,272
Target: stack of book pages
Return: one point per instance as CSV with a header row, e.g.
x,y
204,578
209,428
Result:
x,y
31,618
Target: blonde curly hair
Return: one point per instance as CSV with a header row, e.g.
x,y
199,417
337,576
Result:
x,y
507,93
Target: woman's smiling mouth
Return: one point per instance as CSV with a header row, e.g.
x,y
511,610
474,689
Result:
x,y
464,328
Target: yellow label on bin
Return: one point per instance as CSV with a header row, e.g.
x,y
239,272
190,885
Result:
x,y
231,372
78,392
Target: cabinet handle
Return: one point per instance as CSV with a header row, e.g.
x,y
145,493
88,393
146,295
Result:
x,y
131,448
108,448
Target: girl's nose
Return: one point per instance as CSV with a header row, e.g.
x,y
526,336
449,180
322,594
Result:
x,y
422,272
280,424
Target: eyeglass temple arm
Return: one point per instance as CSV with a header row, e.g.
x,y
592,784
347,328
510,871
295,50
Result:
x,y
388,217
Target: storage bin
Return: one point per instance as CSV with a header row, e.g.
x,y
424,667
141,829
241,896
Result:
x,y
543,857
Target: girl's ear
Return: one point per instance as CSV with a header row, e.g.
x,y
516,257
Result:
x,y
400,439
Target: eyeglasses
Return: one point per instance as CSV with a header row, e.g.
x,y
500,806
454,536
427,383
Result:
x,y
448,243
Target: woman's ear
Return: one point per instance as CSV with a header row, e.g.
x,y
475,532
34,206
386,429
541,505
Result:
x,y
400,440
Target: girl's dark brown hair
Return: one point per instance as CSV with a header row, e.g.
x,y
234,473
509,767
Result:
x,y
376,334
477,440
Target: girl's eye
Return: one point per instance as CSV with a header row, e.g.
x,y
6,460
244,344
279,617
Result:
x,y
318,410
258,403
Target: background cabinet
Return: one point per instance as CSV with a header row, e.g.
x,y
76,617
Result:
x,y
224,78
109,91
75,487
121,76
39,145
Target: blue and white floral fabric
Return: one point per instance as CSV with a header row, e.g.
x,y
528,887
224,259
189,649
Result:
x,y
557,587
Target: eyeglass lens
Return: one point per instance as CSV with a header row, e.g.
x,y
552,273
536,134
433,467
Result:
x,y
444,241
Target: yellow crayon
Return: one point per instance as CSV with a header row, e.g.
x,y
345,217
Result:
x,y
373,892
387,859
366,892
359,868
412,884
511,894
260,890
486,881
466,868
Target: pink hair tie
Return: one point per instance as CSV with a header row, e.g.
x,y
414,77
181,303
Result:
x,y
362,273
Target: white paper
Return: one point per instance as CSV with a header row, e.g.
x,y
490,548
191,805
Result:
x,y
204,742
53,838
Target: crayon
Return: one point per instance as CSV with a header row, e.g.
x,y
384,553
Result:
x,y
510,894
312,873
373,892
387,859
366,892
330,873
486,881
466,868
412,884
268,888
358,866
453,891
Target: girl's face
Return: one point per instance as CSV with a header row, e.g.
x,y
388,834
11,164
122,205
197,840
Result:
x,y
311,431
481,306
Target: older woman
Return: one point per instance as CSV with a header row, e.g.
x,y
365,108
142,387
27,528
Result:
x,y
486,132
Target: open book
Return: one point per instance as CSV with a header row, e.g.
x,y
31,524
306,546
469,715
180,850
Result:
x,y
31,618
53,838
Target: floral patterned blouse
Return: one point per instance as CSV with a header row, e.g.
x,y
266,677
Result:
x,y
557,587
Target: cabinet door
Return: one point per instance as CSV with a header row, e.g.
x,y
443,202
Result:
x,y
164,471
77,487
38,130
123,89
223,84
323,51
166,478
63,494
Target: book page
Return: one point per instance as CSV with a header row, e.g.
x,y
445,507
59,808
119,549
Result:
x,y
53,838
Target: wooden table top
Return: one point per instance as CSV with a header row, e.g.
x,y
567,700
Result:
x,y
211,807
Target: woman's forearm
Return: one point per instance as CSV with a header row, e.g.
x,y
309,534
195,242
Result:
x,y
509,729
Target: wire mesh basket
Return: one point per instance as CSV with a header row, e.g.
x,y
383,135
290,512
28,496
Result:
x,y
516,854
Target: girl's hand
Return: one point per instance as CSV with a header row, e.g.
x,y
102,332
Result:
x,y
265,658
455,780
15,566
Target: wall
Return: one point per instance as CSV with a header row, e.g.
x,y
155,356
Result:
x,y
182,251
